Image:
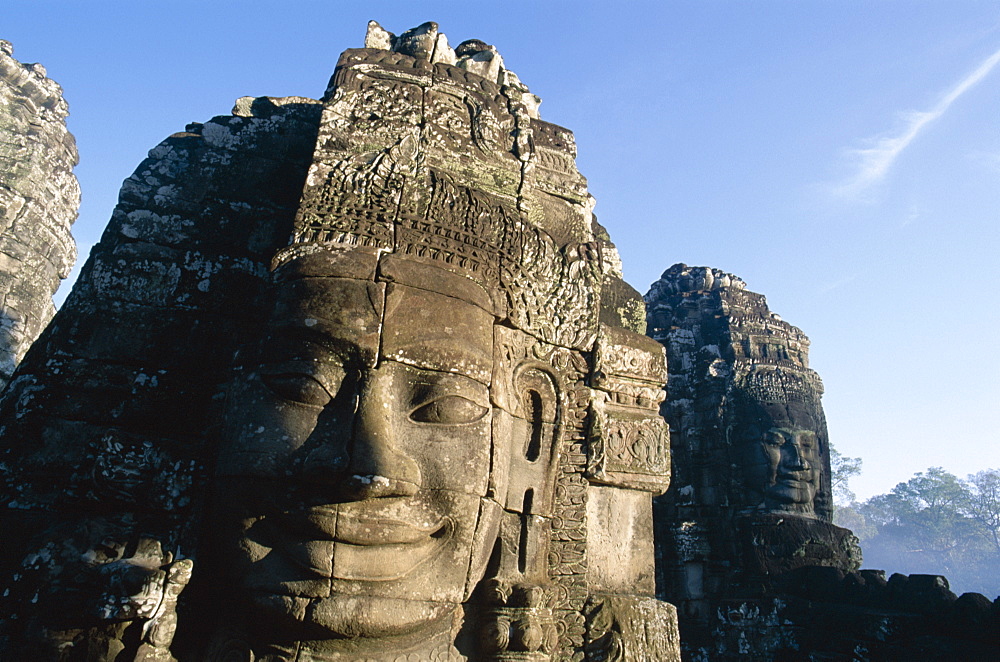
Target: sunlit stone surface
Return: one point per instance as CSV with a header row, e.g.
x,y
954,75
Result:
x,y
39,197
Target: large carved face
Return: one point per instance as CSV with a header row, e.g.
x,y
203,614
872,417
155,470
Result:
x,y
782,464
355,477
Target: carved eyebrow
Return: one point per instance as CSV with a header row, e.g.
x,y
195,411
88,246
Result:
x,y
294,342
455,360
288,334
329,376
441,383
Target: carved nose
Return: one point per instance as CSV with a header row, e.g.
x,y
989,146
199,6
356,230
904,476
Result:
x,y
377,468
792,457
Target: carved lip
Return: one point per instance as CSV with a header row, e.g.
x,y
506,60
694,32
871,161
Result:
x,y
334,524
366,531
382,563
791,486
338,545
793,477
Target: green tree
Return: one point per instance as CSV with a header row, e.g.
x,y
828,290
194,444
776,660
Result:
x,y
925,516
936,523
984,505
850,516
842,470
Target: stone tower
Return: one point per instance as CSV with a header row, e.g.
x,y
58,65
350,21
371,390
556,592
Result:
x,y
751,497
349,378
39,197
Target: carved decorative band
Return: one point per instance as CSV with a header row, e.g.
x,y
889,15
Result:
x,y
628,449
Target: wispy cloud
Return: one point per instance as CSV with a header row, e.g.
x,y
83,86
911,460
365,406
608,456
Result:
x,y
872,163
916,212
831,286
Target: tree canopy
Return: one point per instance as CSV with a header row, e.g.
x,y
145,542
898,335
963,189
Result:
x,y
934,523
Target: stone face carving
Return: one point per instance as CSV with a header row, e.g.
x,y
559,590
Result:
x,y
751,499
39,197
781,462
356,466
744,544
414,429
743,395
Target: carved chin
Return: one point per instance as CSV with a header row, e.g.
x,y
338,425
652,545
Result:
x,y
801,494
350,616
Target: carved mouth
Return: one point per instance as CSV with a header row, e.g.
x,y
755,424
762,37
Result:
x,y
381,563
795,478
334,544
332,523
367,531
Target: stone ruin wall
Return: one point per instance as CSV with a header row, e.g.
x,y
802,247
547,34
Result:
x,y
143,346
39,197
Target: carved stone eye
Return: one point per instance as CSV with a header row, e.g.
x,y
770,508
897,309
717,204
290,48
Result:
x,y
774,439
302,389
449,410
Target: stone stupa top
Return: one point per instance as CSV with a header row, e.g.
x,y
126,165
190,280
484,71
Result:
x,y
426,43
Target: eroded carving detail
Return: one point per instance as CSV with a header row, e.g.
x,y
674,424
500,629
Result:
x,y
623,629
39,196
521,625
629,449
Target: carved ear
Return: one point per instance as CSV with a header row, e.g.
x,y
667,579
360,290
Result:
x,y
537,402
534,457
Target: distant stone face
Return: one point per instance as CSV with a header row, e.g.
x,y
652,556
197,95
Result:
x,y
39,197
346,379
741,395
751,496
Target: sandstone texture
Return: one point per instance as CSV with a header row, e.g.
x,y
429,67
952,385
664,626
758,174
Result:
x,y
39,197
348,378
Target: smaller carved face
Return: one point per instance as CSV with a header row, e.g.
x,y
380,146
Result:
x,y
782,464
791,467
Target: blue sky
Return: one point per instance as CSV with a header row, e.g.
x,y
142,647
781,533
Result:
x,y
843,158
